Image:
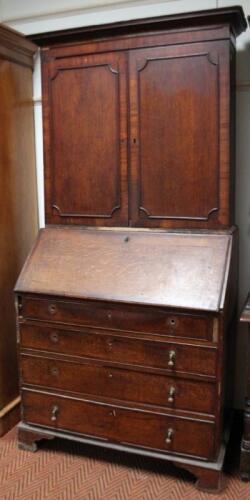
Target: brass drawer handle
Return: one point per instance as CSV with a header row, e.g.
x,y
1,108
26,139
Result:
x,y
170,434
171,394
171,358
54,413
54,337
52,309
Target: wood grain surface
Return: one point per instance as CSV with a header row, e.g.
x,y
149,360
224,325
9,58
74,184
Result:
x,y
179,270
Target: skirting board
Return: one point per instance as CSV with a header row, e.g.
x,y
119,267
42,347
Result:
x,y
9,415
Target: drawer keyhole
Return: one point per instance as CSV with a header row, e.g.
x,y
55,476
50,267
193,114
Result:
x,y
170,434
54,337
110,345
171,358
171,394
172,322
52,309
54,370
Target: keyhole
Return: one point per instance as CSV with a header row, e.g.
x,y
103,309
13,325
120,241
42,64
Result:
x,y
54,370
54,337
52,309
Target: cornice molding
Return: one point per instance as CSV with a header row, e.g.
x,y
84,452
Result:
x,y
16,47
94,13
233,17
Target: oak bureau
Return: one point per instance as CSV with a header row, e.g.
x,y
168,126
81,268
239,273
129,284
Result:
x,y
126,305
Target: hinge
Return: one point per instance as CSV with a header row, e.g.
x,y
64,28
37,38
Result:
x,y
219,388
18,308
17,333
215,330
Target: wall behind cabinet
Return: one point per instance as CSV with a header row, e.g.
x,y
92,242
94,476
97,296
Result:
x,y
31,16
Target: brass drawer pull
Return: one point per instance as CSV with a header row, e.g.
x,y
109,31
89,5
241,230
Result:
x,y
171,394
54,337
54,413
170,435
171,358
52,309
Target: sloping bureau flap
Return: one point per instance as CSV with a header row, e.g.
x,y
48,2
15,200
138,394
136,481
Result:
x,y
174,269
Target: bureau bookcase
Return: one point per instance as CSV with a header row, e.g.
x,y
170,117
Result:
x,y
127,302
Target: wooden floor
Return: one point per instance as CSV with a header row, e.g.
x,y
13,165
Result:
x,y
61,470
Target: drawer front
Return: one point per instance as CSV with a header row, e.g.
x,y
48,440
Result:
x,y
121,425
119,383
122,317
113,348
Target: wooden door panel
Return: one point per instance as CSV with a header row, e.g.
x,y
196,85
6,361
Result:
x,y
86,140
175,137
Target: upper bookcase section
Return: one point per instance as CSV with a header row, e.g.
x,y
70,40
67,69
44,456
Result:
x,y
139,121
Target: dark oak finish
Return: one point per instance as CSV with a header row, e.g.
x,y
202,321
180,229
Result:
x,y
119,424
175,168
210,477
245,443
118,383
124,331
159,367
18,204
121,347
96,109
180,261
27,441
138,319
232,17
209,480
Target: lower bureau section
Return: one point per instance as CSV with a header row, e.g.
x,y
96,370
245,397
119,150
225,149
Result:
x,y
121,425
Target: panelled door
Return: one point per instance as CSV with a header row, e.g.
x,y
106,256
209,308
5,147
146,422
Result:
x,y
179,125
85,137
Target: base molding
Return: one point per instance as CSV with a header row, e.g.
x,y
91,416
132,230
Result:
x,y
9,415
209,474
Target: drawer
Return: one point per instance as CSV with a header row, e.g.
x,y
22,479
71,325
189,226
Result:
x,y
119,383
119,317
121,349
122,425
